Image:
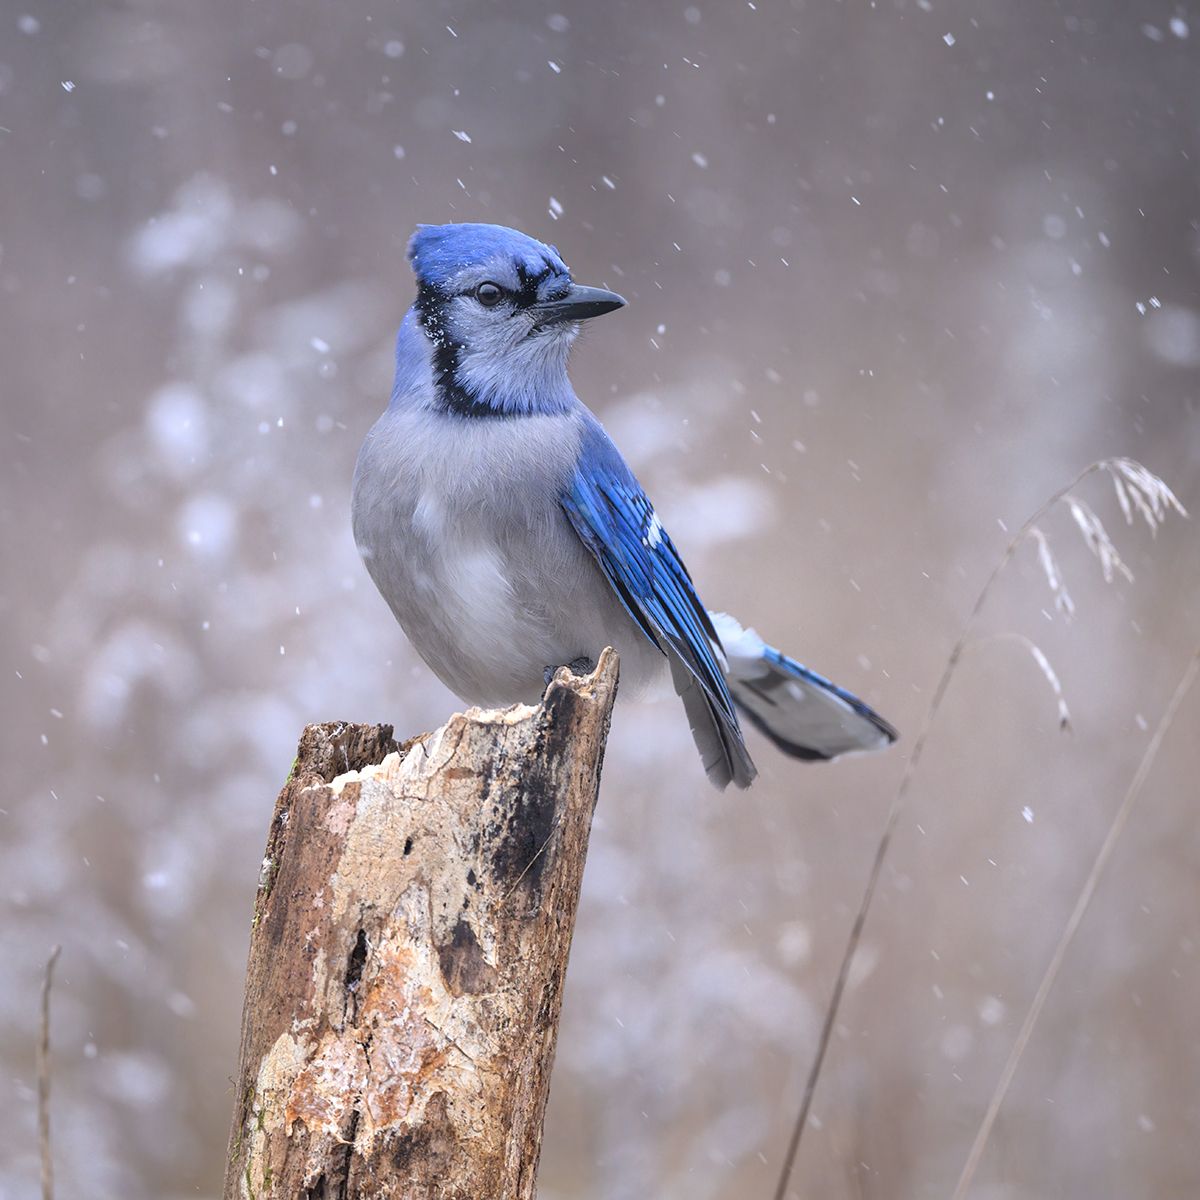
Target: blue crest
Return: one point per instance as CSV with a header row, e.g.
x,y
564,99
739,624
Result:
x,y
438,252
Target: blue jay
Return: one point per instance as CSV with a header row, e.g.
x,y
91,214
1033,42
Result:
x,y
509,537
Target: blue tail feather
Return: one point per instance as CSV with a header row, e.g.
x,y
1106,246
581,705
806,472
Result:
x,y
806,715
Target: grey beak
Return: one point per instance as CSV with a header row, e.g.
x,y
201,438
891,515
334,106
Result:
x,y
578,304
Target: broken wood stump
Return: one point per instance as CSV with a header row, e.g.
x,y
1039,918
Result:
x,y
408,950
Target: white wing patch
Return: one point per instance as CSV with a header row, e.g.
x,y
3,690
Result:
x,y
654,532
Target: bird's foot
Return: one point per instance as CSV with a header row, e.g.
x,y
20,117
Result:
x,y
577,666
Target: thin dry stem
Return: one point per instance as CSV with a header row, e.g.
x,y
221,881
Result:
x,y
43,1077
1072,925
1044,665
1156,498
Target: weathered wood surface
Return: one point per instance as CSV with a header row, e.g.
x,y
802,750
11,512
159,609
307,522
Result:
x,y
409,945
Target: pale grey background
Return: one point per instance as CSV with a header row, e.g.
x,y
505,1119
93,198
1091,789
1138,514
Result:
x,y
884,264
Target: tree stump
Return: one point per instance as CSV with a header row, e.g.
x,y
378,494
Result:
x,y
409,944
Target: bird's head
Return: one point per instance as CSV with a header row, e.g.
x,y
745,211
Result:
x,y
501,312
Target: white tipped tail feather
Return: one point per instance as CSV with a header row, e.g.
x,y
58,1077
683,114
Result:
x,y
803,713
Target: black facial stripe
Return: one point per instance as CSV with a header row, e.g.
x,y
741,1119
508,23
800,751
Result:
x,y
527,293
445,350
430,299
449,396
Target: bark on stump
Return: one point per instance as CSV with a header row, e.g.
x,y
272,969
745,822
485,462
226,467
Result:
x,y
409,944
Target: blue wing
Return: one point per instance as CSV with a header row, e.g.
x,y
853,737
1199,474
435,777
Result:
x,y
615,520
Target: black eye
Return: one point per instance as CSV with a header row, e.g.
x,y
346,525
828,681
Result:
x,y
488,294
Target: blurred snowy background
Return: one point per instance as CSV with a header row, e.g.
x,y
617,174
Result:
x,y
896,271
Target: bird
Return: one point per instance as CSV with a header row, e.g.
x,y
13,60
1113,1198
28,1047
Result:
x,y
510,538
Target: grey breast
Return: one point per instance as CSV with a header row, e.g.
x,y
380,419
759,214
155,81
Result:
x,y
460,524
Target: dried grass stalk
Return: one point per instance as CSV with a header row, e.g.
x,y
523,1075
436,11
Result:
x,y
43,1079
1069,930
1137,488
